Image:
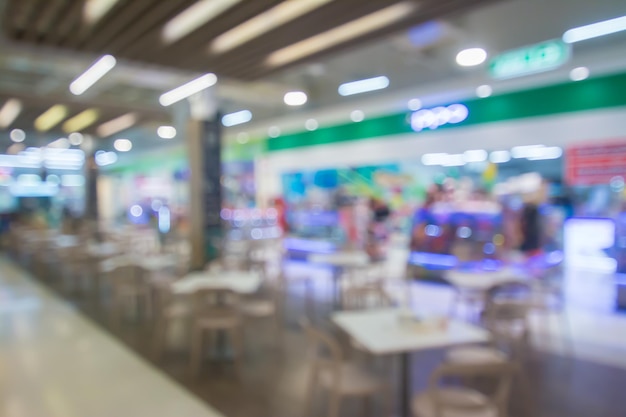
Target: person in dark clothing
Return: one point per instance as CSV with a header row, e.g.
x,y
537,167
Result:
x,y
530,225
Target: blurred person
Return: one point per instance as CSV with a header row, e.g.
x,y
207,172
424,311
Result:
x,y
377,231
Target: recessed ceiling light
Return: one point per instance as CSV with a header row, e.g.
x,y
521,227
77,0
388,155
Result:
x,y
346,32
105,158
51,117
363,86
579,74
500,157
116,125
264,22
471,57
236,118
295,98
192,18
484,91
81,121
273,131
188,89
414,104
122,145
311,125
357,116
17,135
88,78
594,30
166,132
76,138
243,137
9,112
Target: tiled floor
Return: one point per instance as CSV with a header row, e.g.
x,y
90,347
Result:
x,y
56,363
48,352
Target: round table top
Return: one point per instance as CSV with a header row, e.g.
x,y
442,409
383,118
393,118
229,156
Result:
x,y
241,282
341,259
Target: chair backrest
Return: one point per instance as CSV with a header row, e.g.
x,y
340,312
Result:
x,y
500,375
359,297
211,298
325,350
127,276
508,301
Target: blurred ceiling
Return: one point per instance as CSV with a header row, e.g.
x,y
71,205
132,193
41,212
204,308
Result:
x,y
146,30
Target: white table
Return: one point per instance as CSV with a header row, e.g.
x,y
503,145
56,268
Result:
x,y
483,280
102,250
237,281
340,261
382,332
152,263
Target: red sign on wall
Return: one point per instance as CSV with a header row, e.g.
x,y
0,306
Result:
x,y
594,164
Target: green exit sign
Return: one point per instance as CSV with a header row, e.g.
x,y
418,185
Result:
x,y
530,59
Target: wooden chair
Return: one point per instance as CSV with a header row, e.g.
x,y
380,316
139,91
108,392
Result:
x,y
215,310
461,401
129,290
364,296
266,304
337,376
167,309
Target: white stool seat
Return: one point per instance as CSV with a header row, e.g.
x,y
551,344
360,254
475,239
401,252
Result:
x,y
455,402
475,355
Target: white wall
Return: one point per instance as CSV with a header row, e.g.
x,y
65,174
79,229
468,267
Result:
x,y
554,130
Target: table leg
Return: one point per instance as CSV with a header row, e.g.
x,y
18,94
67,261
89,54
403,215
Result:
x,y
405,384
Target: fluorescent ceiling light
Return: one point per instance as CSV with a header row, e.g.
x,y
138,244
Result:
x,y
499,157
9,112
579,74
192,18
311,125
595,30
363,86
166,132
81,121
105,158
94,10
295,98
116,125
455,160
273,132
552,152
122,145
61,143
477,155
237,118
92,75
357,116
243,137
527,151
188,89
484,91
263,23
17,135
414,104
471,57
51,117
341,34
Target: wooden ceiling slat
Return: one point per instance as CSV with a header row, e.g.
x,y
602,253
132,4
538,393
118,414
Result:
x,y
197,42
118,24
132,30
257,51
69,25
153,20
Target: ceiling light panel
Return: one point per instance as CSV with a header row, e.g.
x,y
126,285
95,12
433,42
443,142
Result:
x,y
94,10
91,76
188,89
341,34
263,23
595,30
116,125
51,117
363,86
193,18
9,112
81,121
237,118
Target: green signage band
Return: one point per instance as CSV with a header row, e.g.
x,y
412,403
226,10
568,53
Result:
x,y
531,59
